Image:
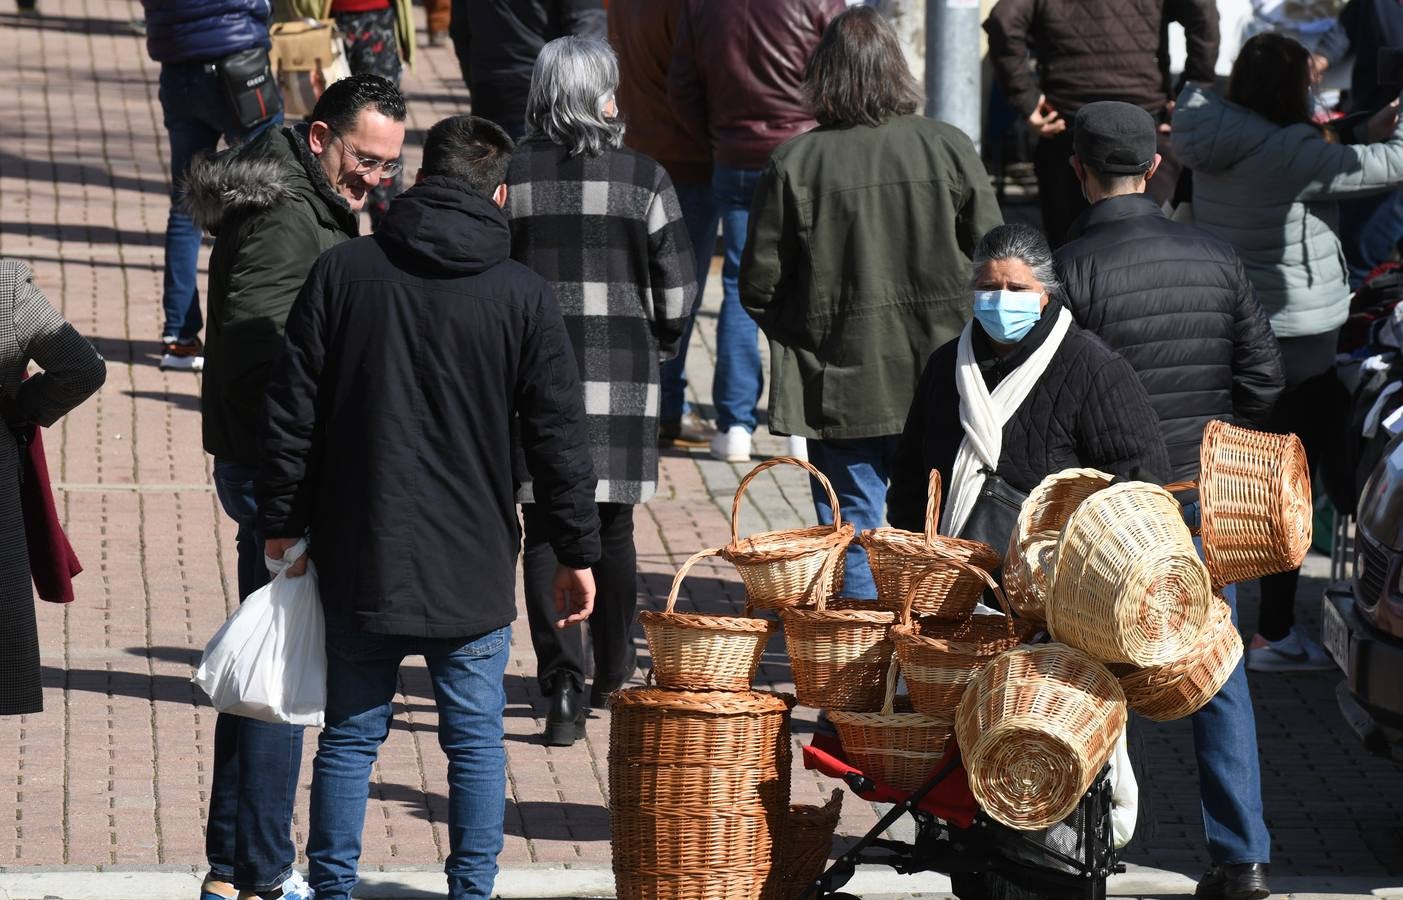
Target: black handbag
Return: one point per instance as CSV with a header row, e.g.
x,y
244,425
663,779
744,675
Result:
x,y
248,83
995,513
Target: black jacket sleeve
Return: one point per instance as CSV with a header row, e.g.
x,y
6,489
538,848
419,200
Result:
x,y
1118,431
551,411
1007,26
1201,35
1258,373
910,471
686,83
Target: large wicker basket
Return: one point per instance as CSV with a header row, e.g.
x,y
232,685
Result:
x,y
938,659
897,556
808,838
896,745
1129,586
1032,553
782,568
1035,727
693,652
698,792
1256,502
1183,687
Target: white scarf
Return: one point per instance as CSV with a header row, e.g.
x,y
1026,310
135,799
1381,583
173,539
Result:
x,y
983,417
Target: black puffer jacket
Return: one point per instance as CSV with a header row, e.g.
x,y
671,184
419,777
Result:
x,y
1176,303
1088,409
390,414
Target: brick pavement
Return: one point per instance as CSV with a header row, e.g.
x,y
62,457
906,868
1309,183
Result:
x,y
113,773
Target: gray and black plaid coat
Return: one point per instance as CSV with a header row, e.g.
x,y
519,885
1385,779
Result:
x,y
607,233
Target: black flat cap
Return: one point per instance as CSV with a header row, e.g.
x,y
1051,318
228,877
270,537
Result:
x,y
1114,138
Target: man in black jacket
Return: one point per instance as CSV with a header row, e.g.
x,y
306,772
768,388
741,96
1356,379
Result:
x,y
1177,305
389,442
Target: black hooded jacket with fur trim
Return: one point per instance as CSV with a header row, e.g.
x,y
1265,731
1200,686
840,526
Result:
x,y
273,212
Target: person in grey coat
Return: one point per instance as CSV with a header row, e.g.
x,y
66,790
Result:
x,y
30,330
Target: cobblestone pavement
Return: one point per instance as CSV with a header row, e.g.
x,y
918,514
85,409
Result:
x,y
114,773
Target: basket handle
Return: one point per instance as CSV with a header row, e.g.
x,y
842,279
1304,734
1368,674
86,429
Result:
x,y
682,573
889,699
819,595
933,566
933,499
1179,487
769,464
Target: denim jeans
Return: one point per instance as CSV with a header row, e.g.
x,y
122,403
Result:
x,y
698,202
859,470
1370,229
197,114
738,379
361,675
253,784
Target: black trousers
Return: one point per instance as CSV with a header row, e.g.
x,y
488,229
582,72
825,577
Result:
x,y
560,654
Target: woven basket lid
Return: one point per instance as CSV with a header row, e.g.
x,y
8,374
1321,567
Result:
x,y
715,703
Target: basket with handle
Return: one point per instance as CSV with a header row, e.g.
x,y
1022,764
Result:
x,y
1032,553
694,652
939,658
897,556
1129,586
896,745
779,568
803,851
838,656
1183,687
1035,727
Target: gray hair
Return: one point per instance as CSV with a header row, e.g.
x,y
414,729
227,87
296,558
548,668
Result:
x,y
1021,242
574,79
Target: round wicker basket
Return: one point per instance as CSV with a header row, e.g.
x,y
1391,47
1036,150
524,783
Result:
x,y
1183,687
1032,554
1129,586
896,745
1036,725
808,838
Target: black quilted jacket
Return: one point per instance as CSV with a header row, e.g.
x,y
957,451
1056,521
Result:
x,y
1088,409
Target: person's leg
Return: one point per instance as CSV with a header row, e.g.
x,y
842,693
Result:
x,y
467,682
183,96
372,47
361,670
738,378
698,202
560,665
440,14
615,602
858,470
1059,193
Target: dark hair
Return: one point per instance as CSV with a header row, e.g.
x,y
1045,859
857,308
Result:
x,y
1272,78
469,149
340,105
857,75
1022,242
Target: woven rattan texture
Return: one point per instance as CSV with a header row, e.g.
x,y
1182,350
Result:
x,y
1032,552
1183,687
896,744
804,848
839,657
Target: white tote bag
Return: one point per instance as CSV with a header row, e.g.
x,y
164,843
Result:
x,y
268,661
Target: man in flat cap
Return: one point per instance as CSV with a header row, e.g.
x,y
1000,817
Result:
x,y
1177,305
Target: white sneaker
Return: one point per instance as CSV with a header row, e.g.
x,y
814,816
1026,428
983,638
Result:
x,y
174,362
731,445
797,447
1293,653
294,888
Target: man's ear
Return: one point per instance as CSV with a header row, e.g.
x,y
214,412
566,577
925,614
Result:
x,y
319,136
1154,167
499,196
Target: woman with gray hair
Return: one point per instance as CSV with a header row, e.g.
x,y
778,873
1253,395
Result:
x,y
602,224
1022,393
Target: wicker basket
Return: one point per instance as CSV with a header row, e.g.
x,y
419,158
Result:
x,y
698,792
783,568
803,851
1185,686
1256,502
938,659
1036,726
1032,554
897,745
1129,586
839,657
694,652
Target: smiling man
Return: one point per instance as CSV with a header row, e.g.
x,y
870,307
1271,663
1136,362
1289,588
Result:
x,y
274,205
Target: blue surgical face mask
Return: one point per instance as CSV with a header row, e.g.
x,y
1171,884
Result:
x,y
1007,316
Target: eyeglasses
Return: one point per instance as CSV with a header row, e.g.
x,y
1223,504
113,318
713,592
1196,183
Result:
x,y
365,165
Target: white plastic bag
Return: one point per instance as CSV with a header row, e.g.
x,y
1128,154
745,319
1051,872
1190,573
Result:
x,y
268,661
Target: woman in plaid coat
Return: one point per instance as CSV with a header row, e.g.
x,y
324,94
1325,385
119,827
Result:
x,y
602,224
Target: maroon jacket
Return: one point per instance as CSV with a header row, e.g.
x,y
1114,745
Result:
x,y
736,70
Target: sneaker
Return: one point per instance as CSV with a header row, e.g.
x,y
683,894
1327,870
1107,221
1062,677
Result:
x,y
214,889
731,445
438,38
797,447
1293,653
689,431
294,888
184,356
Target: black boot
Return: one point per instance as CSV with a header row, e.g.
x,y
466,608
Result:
x,y
599,693
565,717
1247,881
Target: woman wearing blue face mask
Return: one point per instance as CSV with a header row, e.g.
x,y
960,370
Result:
x,y
1021,394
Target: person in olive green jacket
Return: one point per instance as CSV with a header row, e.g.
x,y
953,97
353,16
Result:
x,y
855,268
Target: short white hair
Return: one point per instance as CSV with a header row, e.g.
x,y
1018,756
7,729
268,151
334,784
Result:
x,y
574,79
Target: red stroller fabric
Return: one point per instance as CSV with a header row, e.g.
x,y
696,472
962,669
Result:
x,y
950,800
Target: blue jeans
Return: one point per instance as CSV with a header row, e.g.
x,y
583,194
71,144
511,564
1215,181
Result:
x,y
254,781
738,379
698,202
197,114
859,470
361,673
1370,229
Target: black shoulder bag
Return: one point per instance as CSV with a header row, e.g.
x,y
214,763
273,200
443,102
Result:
x,y
995,513
248,82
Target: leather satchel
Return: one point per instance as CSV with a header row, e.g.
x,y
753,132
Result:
x,y
307,56
994,516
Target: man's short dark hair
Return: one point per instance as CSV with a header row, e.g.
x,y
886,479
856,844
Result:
x,y
468,149
341,104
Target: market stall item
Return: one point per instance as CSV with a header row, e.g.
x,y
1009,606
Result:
x,y
896,556
938,659
896,745
803,851
698,792
1128,586
779,568
1183,687
1032,553
1036,725
694,652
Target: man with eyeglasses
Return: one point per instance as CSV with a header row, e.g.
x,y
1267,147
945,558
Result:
x,y
274,205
